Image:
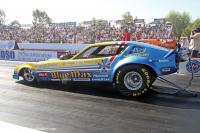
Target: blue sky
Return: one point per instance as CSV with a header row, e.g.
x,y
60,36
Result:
x,y
79,10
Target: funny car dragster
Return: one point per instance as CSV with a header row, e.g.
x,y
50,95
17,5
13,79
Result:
x,y
131,66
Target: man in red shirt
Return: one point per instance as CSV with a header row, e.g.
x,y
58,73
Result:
x,y
126,36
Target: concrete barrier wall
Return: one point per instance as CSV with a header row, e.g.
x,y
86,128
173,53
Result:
x,y
36,51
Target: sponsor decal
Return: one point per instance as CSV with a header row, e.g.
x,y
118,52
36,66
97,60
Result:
x,y
161,61
73,75
71,64
146,73
104,65
138,50
117,77
166,69
141,54
81,62
138,54
53,65
43,74
49,65
100,76
193,66
100,79
164,60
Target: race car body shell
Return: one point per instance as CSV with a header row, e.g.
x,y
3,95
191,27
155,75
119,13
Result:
x,y
102,63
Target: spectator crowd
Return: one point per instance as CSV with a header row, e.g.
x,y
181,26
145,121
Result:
x,y
90,33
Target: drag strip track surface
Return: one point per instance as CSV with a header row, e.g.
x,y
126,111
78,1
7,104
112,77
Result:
x,y
82,108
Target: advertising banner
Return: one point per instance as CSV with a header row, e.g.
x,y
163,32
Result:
x,y
7,45
7,55
138,20
20,55
160,20
187,67
34,55
51,46
38,51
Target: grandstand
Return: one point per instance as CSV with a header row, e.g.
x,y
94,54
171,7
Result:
x,y
87,31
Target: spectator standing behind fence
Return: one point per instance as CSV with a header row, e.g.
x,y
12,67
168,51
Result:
x,y
195,42
184,42
126,36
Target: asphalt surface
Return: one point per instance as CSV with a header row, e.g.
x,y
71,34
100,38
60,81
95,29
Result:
x,y
87,108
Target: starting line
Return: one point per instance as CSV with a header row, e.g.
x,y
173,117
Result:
x,y
11,128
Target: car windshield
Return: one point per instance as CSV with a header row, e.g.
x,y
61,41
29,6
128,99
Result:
x,y
101,51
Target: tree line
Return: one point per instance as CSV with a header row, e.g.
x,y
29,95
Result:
x,y
182,22
39,17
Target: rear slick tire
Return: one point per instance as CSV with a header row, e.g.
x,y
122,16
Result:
x,y
133,80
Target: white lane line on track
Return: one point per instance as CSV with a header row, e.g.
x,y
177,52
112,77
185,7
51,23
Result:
x,y
11,128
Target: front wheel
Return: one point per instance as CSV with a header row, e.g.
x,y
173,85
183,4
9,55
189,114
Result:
x,y
133,80
28,75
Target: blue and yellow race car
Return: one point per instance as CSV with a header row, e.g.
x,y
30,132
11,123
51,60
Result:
x,y
131,66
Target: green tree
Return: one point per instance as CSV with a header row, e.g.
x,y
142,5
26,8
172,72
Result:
x,y
15,23
194,24
41,18
187,31
94,21
127,17
179,20
2,17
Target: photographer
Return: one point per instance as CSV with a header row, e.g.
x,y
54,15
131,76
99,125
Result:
x,y
195,42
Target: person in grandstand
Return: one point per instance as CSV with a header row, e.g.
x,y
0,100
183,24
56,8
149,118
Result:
x,y
126,35
195,42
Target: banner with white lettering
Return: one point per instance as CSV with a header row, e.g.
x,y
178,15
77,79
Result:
x,y
35,55
20,55
51,46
